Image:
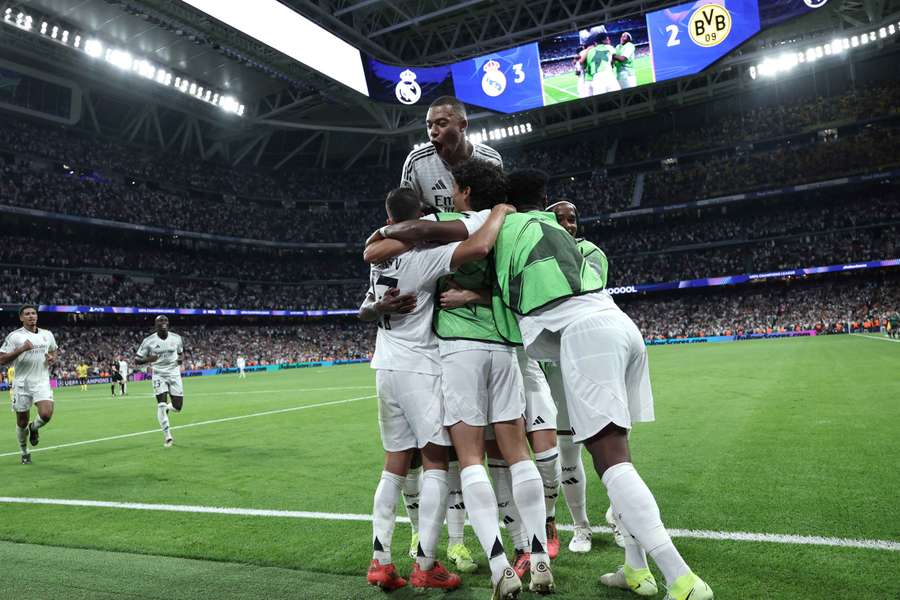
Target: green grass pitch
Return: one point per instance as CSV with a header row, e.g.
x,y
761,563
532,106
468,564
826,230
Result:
x,y
793,437
562,88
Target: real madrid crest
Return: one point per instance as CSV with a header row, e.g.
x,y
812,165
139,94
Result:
x,y
494,81
407,90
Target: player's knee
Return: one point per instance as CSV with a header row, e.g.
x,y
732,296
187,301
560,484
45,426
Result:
x,y
177,402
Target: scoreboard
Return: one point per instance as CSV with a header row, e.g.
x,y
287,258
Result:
x,y
665,44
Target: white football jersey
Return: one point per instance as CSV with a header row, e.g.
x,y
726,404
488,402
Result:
x,y
166,349
406,342
241,362
31,366
123,368
427,173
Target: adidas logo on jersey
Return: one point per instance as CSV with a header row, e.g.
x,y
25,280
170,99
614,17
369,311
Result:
x,y
571,481
539,421
439,186
459,506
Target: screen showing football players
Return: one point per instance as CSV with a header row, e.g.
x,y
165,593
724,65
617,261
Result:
x,y
507,81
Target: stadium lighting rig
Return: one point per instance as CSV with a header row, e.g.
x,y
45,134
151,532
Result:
x,y
122,60
786,62
494,134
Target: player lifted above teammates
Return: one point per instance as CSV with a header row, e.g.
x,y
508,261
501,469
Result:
x,y
427,169
31,351
163,351
408,381
483,385
548,298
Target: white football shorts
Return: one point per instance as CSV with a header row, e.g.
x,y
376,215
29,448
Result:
x,y
168,383
26,393
605,374
482,387
410,411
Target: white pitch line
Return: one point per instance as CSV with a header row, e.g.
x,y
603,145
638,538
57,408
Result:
x,y
232,393
872,337
734,536
185,426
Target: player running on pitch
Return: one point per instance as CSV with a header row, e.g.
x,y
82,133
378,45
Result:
x,y
163,352
31,351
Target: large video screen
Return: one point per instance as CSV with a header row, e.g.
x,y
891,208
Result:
x,y
607,57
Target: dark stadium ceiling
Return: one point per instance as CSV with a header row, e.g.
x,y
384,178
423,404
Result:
x,y
298,117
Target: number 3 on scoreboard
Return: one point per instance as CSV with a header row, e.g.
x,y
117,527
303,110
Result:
x,y
520,74
673,36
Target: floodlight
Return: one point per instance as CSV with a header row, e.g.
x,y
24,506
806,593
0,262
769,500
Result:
x,y
93,48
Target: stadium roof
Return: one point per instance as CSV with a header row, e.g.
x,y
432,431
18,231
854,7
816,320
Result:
x,y
299,118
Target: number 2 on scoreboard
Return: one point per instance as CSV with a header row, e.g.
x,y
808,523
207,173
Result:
x,y
673,35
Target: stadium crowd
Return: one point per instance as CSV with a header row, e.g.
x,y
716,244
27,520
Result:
x,y
217,346
870,149
251,264
826,305
68,288
783,118
756,221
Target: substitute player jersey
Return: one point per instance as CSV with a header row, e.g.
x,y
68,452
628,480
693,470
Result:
x,y
406,342
429,176
31,366
598,61
81,370
167,350
626,51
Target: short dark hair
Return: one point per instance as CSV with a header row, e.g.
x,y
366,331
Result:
x,y
451,101
402,204
527,187
25,307
485,180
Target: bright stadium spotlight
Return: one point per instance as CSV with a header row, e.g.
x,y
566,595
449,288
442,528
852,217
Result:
x,y
93,48
77,41
44,27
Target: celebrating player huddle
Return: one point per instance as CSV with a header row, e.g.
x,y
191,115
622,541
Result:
x,y
510,275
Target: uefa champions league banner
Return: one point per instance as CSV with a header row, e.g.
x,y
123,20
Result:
x,y
666,44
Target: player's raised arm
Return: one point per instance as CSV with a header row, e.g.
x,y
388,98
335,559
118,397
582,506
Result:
x,y
419,230
480,244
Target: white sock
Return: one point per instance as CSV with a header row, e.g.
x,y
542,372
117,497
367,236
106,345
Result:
x,y
547,463
384,508
637,509
411,497
456,506
482,506
162,416
22,436
635,556
574,482
38,422
432,509
528,492
505,503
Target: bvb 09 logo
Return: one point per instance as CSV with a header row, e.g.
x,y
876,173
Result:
x,y
710,25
